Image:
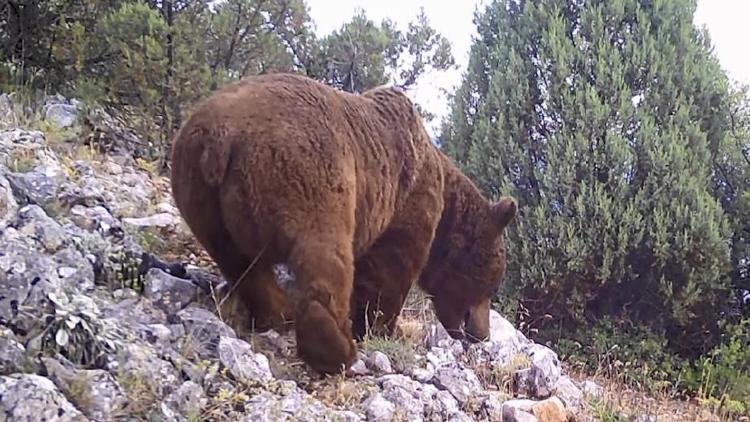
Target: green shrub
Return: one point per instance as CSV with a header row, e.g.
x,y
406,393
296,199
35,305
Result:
x,y
635,355
721,379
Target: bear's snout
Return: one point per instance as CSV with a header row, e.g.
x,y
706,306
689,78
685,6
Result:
x,y
477,322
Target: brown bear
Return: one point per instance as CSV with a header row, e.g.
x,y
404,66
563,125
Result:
x,y
349,192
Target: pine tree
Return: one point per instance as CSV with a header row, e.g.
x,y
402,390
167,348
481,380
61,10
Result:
x,y
599,117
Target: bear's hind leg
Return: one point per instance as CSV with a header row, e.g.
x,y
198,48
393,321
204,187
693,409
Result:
x,y
267,304
324,272
263,303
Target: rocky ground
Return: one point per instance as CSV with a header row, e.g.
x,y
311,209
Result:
x,y
96,324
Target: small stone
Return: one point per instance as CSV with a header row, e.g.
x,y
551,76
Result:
x,y
447,403
398,380
8,204
35,223
550,410
94,219
187,401
493,405
12,353
144,365
345,416
245,365
502,331
423,375
359,368
460,417
155,333
156,220
33,187
62,115
379,362
540,379
592,389
439,356
436,334
170,294
379,409
461,382
512,414
405,400
274,341
125,293
569,392
203,330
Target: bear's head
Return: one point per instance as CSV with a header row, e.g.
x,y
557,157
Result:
x,y
465,271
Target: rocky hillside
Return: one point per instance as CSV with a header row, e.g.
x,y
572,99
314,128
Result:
x,y
108,312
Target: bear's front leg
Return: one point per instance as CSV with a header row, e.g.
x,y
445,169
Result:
x,y
324,271
385,274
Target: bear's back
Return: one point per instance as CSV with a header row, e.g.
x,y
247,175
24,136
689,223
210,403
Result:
x,y
321,136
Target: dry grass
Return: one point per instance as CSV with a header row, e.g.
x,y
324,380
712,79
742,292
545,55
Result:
x,y
619,402
142,396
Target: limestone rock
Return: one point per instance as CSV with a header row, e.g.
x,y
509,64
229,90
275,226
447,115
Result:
x,y
30,398
95,392
568,391
461,382
170,294
244,364
12,353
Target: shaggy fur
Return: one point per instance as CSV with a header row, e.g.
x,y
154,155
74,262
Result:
x,y
350,193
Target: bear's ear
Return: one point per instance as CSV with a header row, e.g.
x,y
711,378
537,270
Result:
x,y
504,210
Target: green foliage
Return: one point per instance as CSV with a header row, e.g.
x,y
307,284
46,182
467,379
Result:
x,y
732,184
361,54
601,118
723,376
74,331
153,61
401,351
604,412
633,355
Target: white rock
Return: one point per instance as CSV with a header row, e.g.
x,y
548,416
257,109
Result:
x,y
379,362
423,375
405,401
28,397
539,380
461,382
95,391
438,356
502,331
62,115
245,365
512,414
592,389
447,403
379,409
569,392
359,368
157,220
549,410
169,293
8,204
436,334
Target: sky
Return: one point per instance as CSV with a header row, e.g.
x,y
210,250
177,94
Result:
x,y
728,23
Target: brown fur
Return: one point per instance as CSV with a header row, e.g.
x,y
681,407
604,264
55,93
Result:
x,y
347,190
